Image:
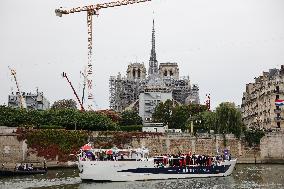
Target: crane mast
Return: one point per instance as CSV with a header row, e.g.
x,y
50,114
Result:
x,y
22,99
93,10
84,74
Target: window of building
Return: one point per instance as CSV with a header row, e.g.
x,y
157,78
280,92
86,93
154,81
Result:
x,y
165,73
139,73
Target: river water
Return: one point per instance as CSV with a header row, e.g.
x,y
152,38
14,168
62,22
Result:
x,y
245,176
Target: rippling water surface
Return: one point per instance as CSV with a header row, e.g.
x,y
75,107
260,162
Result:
x,y
245,176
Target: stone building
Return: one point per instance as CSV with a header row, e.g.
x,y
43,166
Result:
x,y
143,92
136,71
33,101
169,70
258,103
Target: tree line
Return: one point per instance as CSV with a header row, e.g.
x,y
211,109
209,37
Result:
x,y
56,118
64,114
226,118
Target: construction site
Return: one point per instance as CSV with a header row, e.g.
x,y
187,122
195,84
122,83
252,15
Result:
x,y
139,90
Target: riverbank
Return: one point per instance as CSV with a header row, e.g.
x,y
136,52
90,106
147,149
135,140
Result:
x,y
14,150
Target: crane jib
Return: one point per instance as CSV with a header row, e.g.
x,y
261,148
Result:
x,y
98,6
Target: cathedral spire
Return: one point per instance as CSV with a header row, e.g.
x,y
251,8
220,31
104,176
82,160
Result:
x,y
153,63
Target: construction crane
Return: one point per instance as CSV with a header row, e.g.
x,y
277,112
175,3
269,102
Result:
x,y
84,74
74,91
208,102
93,10
23,103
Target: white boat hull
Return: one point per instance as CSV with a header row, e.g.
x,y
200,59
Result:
x,y
120,171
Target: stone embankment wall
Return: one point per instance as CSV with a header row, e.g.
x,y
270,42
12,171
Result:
x,y
173,144
270,150
11,150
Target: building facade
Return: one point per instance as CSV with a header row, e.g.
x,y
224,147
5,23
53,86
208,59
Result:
x,y
32,101
144,91
259,109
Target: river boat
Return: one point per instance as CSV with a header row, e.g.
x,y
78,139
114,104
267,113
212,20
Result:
x,y
119,165
22,170
11,173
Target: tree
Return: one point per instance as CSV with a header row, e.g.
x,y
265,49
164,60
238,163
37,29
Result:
x,y
203,121
64,104
114,116
209,120
195,109
229,119
179,117
253,137
163,112
130,117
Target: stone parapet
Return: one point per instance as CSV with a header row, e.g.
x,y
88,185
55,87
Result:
x,y
270,150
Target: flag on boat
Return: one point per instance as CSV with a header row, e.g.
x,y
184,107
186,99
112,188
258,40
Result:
x,y
279,102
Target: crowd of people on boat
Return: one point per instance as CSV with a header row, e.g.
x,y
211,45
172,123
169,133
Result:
x,y
24,167
103,156
180,160
29,167
159,161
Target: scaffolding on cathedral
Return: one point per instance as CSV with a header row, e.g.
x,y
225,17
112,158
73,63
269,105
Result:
x,y
163,78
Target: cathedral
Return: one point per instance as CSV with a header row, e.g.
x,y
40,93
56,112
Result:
x,y
143,91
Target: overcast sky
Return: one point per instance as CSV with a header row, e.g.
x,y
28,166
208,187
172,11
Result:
x,y
220,44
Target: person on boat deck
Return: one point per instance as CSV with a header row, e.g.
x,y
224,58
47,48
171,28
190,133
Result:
x,y
115,156
31,167
161,165
25,166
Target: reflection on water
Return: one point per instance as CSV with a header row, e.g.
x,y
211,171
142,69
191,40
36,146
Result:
x,y
53,179
245,176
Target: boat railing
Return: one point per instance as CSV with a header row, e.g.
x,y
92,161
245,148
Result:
x,y
113,154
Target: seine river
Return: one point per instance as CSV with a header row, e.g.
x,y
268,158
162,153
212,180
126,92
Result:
x,y
245,176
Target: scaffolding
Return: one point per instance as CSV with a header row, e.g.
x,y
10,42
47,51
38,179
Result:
x,y
124,92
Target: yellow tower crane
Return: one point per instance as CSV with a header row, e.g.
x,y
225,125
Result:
x,y
93,10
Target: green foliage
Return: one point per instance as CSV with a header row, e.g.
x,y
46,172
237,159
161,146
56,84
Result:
x,y
131,128
63,104
229,119
178,117
209,120
226,119
113,115
66,118
130,117
163,112
253,137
